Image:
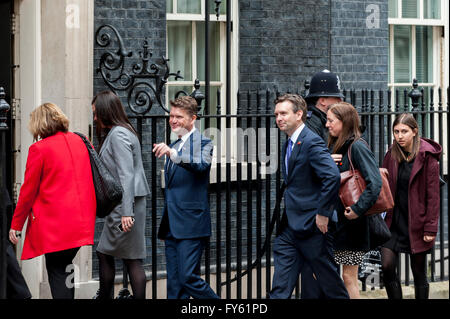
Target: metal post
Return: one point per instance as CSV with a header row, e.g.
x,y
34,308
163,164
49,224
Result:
x,y
207,78
415,96
4,108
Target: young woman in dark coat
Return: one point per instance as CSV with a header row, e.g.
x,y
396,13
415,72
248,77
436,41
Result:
x,y
352,240
413,168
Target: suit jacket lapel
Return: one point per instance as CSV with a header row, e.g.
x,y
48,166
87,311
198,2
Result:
x,y
283,162
169,175
417,166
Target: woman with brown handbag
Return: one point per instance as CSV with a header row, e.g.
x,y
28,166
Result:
x,y
352,237
413,168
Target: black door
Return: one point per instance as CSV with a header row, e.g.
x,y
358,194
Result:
x,y
6,7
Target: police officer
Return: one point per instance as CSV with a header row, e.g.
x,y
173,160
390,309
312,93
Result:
x,y
324,90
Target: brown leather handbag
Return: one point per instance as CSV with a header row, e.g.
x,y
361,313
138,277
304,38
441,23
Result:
x,y
353,185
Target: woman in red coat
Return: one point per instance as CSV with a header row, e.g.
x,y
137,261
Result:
x,y
57,197
413,168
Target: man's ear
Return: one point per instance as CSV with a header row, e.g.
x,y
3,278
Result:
x,y
320,101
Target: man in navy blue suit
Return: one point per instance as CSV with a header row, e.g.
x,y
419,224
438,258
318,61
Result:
x,y
312,183
186,222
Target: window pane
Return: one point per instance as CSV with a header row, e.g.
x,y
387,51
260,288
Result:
x,y
214,51
410,9
169,6
212,107
431,9
402,53
424,54
188,6
179,39
222,8
174,89
393,8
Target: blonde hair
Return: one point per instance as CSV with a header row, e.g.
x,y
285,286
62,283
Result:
x,y
46,120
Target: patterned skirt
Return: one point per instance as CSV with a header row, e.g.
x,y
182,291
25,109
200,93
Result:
x,y
349,257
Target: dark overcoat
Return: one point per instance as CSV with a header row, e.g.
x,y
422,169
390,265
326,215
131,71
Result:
x,y
354,234
423,193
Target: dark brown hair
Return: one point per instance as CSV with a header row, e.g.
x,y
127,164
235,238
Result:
x,y
110,112
298,103
187,103
347,114
396,150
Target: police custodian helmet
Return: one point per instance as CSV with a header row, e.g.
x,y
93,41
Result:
x,y
324,84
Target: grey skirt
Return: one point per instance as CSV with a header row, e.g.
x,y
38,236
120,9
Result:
x,y
124,245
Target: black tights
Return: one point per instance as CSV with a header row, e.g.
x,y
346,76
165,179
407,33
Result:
x,y
107,274
389,266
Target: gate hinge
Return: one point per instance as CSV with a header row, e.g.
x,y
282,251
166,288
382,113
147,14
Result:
x,y
14,24
16,192
15,108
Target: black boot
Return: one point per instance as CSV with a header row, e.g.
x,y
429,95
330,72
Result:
x,y
394,290
422,291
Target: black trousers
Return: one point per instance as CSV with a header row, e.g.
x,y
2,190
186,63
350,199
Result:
x,y
59,271
290,253
16,287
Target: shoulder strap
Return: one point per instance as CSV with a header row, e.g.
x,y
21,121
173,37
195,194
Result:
x,y
349,155
82,137
349,152
89,146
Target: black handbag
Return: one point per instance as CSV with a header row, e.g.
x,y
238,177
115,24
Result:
x,y
378,231
108,191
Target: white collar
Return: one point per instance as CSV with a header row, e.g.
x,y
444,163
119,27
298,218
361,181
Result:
x,y
186,136
297,132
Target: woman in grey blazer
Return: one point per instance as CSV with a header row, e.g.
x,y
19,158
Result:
x,y
120,150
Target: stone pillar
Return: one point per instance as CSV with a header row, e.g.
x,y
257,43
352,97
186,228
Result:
x,y
56,60
29,90
67,77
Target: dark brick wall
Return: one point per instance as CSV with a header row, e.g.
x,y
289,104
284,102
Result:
x,y
282,43
359,53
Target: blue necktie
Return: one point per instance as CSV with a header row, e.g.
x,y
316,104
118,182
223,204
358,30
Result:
x,y
170,163
288,154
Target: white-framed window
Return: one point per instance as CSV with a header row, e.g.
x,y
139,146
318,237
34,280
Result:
x,y
416,45
419,49
186,52
186,49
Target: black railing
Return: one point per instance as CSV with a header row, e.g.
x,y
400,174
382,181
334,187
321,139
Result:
x,y
243,189
4,108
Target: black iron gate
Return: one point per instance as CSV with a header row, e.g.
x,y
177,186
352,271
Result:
x,y
245,179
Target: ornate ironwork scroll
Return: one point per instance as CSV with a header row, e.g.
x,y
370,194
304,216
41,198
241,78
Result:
x,y
145,82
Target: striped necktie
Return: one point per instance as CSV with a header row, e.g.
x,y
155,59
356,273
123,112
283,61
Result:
x,y
170,164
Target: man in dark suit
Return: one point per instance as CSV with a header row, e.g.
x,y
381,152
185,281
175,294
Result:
x,y
312,183
186,222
